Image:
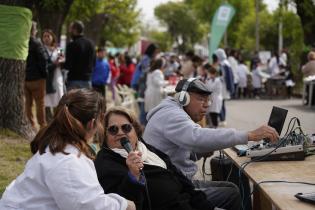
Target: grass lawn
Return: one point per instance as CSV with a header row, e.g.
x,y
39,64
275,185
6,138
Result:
x,y
14,153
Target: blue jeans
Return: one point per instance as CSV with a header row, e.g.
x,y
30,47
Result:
x,y
142,114
77,84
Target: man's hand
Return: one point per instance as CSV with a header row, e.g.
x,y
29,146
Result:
x,y
131,205
263,132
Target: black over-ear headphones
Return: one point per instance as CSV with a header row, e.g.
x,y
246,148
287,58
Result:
x,y
183,97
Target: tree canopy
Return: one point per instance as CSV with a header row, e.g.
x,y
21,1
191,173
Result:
x,y
113,22
181,23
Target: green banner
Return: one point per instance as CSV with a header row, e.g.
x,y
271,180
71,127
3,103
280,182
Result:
x,y
15,27
220,21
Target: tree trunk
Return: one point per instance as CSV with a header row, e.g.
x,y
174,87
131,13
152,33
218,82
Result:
x,y
93,28
12,76
12,109
306,12
52,18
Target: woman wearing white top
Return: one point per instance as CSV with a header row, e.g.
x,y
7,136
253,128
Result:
x,y
61,173
55,84
155,82
274,65
215,85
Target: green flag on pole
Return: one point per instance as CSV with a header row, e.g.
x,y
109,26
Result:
x,y
220,21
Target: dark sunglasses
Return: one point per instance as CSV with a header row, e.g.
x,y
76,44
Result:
x,y
114,129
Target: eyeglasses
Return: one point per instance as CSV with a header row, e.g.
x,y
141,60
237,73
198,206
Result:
x,y
114,129
202,99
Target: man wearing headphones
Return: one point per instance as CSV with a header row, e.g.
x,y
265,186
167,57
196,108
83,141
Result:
x,y
172,128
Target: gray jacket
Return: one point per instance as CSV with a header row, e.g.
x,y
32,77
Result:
x,y
171,130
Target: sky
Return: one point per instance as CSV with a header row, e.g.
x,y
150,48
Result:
x,y
147,7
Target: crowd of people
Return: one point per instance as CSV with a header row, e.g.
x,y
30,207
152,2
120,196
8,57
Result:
x,y
157,168
50,73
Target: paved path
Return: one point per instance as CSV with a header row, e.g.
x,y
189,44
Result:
x,y
250,114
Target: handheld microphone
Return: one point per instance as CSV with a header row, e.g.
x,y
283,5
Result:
x,y
125,143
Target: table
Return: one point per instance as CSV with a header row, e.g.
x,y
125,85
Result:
x,y
276,87
279,195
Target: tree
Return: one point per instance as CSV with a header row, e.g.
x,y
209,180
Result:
x,y
181,23
292,35
52,13
205,10
306,11
162,39
108,21
12,76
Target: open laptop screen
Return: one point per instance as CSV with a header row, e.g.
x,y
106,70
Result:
x,y
277,118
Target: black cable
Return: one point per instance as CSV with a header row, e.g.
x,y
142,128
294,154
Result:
x,y
146,189
203,169
284,181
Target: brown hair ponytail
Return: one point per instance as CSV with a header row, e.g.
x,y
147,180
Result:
x,y
69,125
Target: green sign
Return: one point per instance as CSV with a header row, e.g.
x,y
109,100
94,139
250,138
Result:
x,y
220,22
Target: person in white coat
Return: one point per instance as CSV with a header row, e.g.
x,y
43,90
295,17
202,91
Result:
x,y
273,65
257,76
215,103
61,174
155,82
242,72
232,58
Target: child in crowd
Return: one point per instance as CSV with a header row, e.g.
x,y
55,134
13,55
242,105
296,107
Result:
x,y
101,72
215,85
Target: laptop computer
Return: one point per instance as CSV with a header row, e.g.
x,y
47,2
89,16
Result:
x,y
276,120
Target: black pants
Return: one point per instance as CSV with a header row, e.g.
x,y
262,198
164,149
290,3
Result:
x,y
242,92
214,119
223,195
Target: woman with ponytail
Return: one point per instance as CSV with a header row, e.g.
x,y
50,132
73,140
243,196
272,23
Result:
x,y
61,173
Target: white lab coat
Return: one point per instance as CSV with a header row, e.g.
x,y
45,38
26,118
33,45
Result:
x,y
242,72
53,182
154,91
274,67
258,76
233,62
216,96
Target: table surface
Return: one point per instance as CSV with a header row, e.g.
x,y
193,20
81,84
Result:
x,y
281,194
